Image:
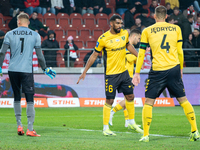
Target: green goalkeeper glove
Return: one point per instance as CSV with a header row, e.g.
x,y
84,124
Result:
x,y
51,73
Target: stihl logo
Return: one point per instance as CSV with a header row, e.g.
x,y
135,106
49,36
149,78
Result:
x,y
5,103
36,102
63,102
94,102
164,101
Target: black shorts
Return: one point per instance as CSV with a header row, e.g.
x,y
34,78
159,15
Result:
x,y
21,79
121,82
159,80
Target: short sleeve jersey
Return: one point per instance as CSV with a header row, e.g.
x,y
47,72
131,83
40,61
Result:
x,y
114,51
130,61
162,38
22,41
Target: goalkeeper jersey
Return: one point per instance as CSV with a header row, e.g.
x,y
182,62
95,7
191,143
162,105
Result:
x,y
22,41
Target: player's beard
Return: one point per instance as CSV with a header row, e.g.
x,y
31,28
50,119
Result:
x,y
116,30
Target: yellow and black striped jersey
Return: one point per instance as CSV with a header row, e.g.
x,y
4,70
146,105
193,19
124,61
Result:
x,y
164,39
114,51
130,61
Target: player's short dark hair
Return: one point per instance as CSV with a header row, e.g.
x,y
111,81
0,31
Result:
x,y
114,17
134,31
23,16
189,16
161,12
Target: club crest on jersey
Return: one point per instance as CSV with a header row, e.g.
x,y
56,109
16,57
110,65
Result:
x,y
97,44
117,40
123,38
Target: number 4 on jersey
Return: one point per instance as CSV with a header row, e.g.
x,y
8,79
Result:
x,y
167,47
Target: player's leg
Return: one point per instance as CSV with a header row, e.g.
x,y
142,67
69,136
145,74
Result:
x,y
16,86
190,114
118,107
176,88
28,90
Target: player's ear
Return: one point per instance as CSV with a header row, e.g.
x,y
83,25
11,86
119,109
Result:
x,y
28,22
111,23
166,16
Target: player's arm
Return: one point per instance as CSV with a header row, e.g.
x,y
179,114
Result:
x,y
131,49
41,59
3,50
130,57
180,53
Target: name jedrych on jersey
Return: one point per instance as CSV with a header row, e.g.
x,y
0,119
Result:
x,y
158,29
22,32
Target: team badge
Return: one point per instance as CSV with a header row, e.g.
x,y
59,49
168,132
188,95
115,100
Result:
x,y
117,40
123,38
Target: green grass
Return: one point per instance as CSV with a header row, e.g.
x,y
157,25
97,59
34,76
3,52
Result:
x,y
63,128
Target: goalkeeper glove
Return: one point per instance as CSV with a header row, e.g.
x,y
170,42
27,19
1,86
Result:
x,y
51,73
1,74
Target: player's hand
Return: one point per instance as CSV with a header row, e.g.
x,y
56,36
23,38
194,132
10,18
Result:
x,y
1,74
81,77
51,73
136,79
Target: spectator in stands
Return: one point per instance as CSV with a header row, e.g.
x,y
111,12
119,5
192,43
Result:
x,y
100,7
197,23
169,10
5,8
71,49
183,4
31,6
190,56
2,34
187,27
196,40
17,5
61,6
190,11
87,6
173,3
178,17
13,22
153,6
52,43
170,19
37,25
196,5
46,7
121,6
139,6
128,17
77,6
138,24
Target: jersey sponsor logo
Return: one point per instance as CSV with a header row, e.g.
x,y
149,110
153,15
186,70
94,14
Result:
x,y
119,49
123,38
22,33
117,40
97,44
158,29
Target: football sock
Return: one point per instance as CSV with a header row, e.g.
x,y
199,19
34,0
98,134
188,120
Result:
x,y
18,111
106,113
126,114
117,108
146,118
130,108
189,112
30,111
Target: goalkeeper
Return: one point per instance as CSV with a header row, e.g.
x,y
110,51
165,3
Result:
x,y
21,42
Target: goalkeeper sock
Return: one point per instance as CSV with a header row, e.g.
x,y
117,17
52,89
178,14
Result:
x,y
30,111
189,112
126,114
146,118
106,115
18,111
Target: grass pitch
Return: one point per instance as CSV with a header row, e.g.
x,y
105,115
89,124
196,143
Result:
x,y
81,128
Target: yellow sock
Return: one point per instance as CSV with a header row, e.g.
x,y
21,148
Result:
x,y
189,112
106,113
126,114
146,118
131,109
117,108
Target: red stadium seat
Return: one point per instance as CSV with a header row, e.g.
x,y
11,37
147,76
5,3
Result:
x,y
63,19
90,44
1,19
50,19
110,15
89,19
7,19
79,43
60,60
84,32
76,19
96,33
